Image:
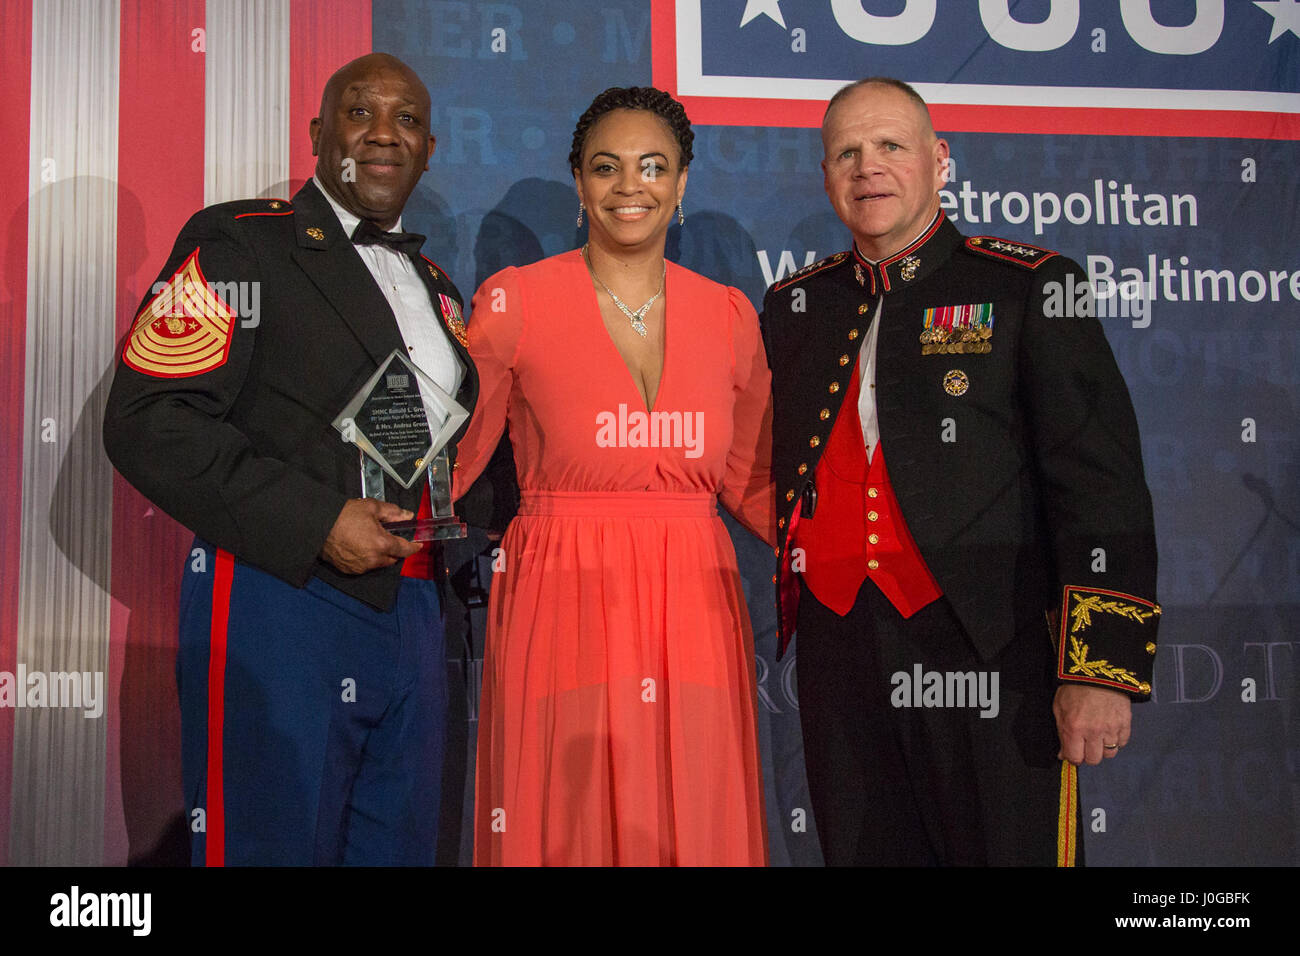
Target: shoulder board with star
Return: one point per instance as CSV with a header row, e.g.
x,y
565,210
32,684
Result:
x,y
820,266
1020,253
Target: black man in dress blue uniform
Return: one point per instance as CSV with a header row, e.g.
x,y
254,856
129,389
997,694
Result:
x,y
311,662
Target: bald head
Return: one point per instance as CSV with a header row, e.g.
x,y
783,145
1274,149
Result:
x,y
884,83
372,140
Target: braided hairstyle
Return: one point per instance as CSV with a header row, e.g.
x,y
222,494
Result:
x,y
634,98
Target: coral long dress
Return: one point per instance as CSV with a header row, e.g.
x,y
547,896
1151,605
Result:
x,y
617,718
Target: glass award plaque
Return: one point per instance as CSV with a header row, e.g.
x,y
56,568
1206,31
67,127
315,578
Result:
x,y
401,421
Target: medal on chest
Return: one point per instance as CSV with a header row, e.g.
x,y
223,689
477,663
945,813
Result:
x,y
958,329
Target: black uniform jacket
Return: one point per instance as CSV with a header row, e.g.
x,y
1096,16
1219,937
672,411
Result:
x,y
1013,451
238,445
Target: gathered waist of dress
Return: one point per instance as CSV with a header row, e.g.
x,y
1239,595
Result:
x,y
619,504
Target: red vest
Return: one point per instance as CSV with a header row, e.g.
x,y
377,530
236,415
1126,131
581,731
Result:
x,y
857,530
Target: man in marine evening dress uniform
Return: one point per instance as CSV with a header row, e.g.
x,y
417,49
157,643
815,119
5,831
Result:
x,y
966,540
311,662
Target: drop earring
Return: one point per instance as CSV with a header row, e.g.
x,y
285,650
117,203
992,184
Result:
x,y
681,216
580,210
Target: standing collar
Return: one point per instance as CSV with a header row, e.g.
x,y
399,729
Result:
x,y
910,264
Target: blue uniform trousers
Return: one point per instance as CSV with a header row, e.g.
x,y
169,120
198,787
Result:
x,y
312,725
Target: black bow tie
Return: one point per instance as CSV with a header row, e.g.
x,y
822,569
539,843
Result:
x,y
368,234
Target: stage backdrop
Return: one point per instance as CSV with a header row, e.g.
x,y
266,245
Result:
x,y
1155,141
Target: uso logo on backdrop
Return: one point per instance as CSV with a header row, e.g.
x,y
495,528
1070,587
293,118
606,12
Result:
x,y
1146,67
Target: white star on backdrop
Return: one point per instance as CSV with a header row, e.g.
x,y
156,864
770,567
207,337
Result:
x,y
765,8
1285,14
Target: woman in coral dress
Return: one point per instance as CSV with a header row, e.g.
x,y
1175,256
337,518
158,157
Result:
x,y
617,718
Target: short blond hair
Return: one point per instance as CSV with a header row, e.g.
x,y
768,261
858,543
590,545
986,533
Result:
x,y
904,88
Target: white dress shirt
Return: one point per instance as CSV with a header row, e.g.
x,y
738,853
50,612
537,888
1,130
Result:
x,y
420,327
867,362
867,385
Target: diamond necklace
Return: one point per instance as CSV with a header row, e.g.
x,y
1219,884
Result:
x,y
637,318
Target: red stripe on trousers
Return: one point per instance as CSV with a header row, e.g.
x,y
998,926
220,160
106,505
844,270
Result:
x,y
16,89
160,87
216,808
322,37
